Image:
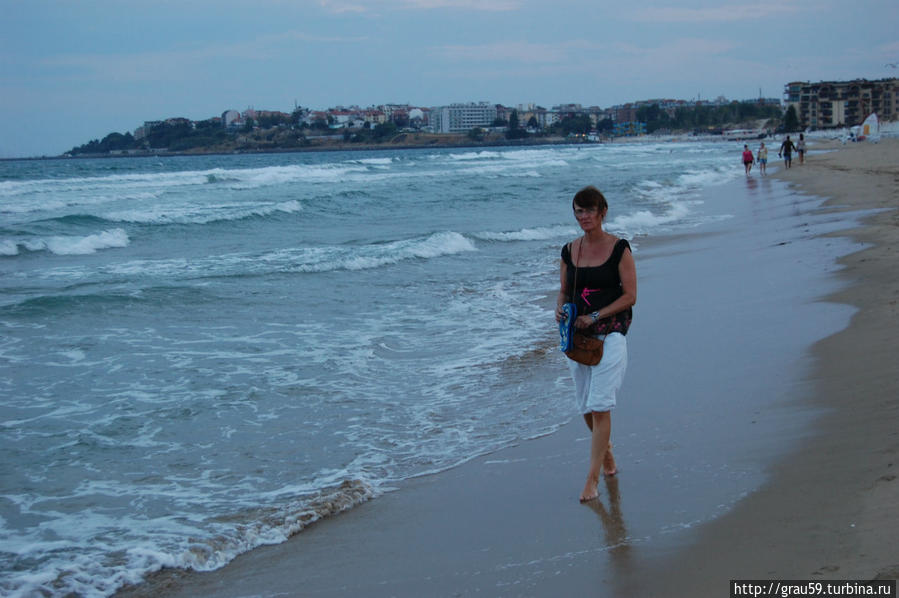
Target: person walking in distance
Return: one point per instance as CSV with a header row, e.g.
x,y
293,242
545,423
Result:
x,y
762,159
786,150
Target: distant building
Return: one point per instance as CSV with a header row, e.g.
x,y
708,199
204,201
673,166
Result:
x,y
842,103
625,113
230,117
461,118
374,116
629,129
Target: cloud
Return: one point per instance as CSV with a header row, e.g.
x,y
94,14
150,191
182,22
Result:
x,y
576,53
681,50
716,14
172,64
374,6
341,7
891,48
515,51
485,5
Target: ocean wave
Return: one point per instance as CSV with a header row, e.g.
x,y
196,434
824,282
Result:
x,y
202,214
62,245
527,234
706,178
272,525
292,260
139,185
464,157
90,295
376,161
93,573
642,222
368,256
9,248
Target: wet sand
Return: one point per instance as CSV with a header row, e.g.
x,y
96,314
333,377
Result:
x,y
753,441
830,508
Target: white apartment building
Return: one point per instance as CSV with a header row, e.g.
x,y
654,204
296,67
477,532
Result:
x,y
461,118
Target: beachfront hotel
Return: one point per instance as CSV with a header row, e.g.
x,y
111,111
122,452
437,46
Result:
x,y
842,103
460,118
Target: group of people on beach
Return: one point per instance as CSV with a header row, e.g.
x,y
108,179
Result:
x,y
786,151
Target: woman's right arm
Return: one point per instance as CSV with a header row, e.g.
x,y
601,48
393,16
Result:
x,y
562,298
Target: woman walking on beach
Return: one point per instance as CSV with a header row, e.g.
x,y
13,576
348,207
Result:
x,y
800,148
762,159
747,158
598,274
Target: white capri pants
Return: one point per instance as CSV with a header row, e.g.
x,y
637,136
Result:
x,y
596,386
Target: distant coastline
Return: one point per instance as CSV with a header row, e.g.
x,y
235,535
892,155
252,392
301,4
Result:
x,y
405,127
433,141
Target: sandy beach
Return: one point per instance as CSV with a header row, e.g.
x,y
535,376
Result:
x,y
756,434
829,510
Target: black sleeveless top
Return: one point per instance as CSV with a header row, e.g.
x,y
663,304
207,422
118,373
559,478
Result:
x,y
597,287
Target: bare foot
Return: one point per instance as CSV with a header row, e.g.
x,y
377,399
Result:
x,y
608,463
590,492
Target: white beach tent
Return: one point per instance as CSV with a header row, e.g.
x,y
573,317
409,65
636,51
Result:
x,y
869,130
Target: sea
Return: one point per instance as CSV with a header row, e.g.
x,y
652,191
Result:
x,y
201,355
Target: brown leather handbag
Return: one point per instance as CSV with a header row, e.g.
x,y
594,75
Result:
x,y
585,349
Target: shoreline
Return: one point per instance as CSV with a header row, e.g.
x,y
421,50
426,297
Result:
x,y
461,531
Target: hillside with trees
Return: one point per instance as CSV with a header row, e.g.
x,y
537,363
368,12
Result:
x,y
705,118
302,129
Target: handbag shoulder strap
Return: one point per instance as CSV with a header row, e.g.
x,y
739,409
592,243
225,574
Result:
x,y
574,261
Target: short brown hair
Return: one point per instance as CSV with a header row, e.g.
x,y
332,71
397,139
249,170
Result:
x,y
590,197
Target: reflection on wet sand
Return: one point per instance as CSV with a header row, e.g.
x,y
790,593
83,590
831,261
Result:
x,y
613,522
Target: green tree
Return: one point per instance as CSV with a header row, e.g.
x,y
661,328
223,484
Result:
x,y
578,125
117,141
515,131
605,125
296,117
477,134
791,121
384,131
654,117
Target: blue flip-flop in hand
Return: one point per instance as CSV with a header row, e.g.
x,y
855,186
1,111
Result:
x,y
566,326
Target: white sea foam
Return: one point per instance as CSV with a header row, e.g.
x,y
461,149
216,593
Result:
x,y
303,259
643,221
374,256
706,178
87,570
60,245
482,155
8,247
527,234
201,214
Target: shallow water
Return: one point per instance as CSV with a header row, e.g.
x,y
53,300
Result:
x,y
195,350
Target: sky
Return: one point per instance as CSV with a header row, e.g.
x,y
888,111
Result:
x,y
76,70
